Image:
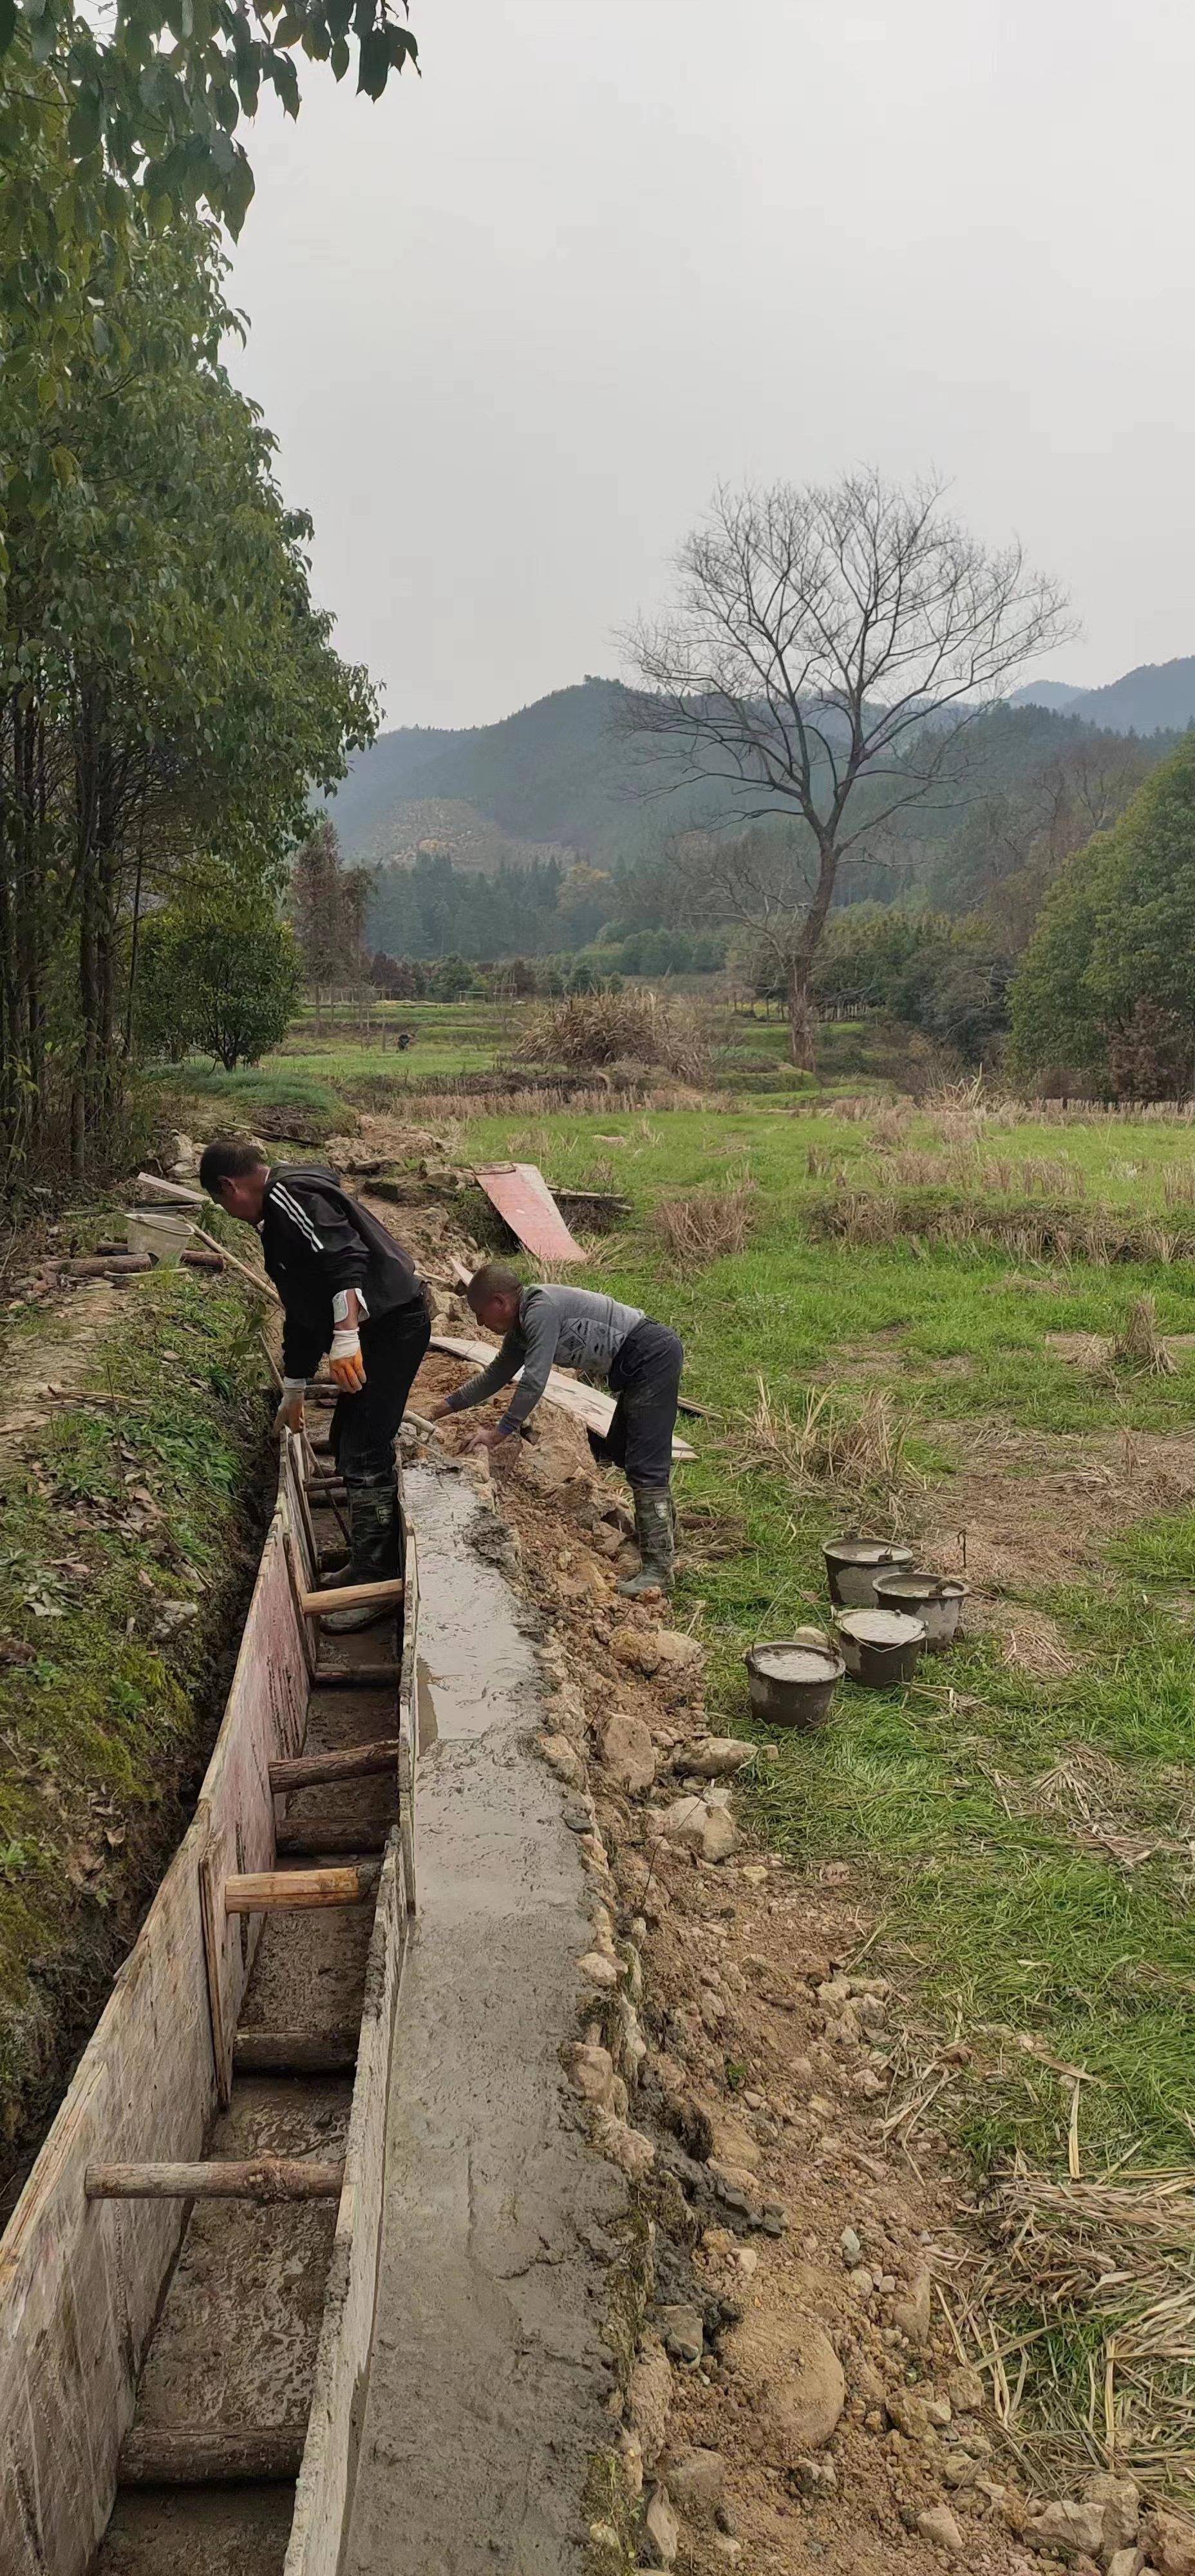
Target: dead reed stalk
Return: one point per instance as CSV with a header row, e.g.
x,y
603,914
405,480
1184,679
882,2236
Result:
x,y
1139,1345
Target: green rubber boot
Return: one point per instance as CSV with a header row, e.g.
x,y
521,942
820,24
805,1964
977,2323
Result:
x,y
375,1553
655,1531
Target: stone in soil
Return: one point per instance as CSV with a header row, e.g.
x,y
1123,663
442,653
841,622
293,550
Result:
x,y
649,2397
937,2523
661,2531
628,1752
696,2481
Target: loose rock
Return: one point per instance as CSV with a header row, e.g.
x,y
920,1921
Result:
x,y
683,2332
805,2402
1071,2530
1169,2543
913,2316
661,2531
696,2482
714,1757
649,2396
937,2523
1118,2500
628,1752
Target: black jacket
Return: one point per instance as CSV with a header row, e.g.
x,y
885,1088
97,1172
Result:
x,y
316,1239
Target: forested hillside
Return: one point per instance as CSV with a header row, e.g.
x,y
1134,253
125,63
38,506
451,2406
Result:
x,y
559,779
1158,697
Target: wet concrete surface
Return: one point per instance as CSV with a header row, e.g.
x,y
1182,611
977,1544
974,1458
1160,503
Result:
x,y
487,2389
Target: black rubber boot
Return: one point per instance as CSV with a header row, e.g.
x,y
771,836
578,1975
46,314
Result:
x,y
375,1542
655,1530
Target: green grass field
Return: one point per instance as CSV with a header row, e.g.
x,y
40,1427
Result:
x,y
1025,1833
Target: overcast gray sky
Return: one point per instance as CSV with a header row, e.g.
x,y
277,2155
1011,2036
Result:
x,y
512,323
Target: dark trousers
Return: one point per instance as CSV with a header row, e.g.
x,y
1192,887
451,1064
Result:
x,y
645,1377
363,1427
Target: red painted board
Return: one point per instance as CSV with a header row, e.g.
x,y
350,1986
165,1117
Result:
x,y
521,1195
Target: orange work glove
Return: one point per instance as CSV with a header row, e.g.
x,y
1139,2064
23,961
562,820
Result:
x,y
344,1360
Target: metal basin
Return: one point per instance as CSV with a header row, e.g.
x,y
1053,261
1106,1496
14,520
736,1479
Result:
x,y
852,1565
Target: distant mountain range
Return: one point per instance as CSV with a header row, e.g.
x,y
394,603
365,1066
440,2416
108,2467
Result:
x,y
558,780
1158,697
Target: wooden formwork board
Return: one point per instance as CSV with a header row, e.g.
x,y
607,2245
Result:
x,y
324,2496
81,2282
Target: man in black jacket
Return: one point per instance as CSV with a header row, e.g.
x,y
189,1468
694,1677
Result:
x,y
349,1289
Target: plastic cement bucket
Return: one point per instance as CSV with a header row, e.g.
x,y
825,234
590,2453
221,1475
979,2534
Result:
x,y
792,1680
880,1647
935,1599
852,1565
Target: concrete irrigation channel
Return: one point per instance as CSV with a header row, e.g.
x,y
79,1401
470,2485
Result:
x,y
309,2276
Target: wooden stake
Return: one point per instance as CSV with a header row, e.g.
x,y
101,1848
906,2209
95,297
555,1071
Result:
x,y
316,1834
264,1287
352,1596
155,2455
294,1891
295,2052
348,1762
262,2178
357,1676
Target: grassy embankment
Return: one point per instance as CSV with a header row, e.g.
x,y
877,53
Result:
x,y
126,1558
323,1074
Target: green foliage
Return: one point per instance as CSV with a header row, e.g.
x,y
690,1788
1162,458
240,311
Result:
x,y
168,692
1109,979
122,1573
218,974
153,99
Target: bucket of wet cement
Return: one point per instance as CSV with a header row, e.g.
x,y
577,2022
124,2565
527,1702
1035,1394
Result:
x,y
792,1680
935,1599
880,1648
852,1565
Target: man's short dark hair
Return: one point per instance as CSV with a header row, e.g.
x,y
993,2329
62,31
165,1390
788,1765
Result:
x,y
494,1279
228,1158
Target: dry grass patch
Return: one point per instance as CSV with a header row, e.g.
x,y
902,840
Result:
x,y
855,1447
706,1225
591,1029
1139,1345
1027,1232
1113,2253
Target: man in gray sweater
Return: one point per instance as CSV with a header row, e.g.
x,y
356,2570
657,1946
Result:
x,y
543,1328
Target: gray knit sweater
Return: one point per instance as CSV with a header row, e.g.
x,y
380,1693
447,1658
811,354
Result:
x,y
557,1328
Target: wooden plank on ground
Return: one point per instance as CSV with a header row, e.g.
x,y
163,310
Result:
x,y
587,1404
296,1891
346,1762
296,2052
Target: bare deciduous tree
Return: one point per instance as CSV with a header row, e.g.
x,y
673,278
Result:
x,y
827,650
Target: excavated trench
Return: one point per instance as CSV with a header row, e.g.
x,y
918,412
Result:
x,y
486,2399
